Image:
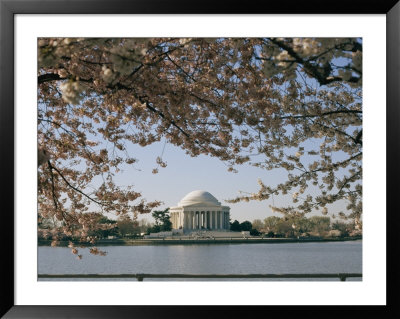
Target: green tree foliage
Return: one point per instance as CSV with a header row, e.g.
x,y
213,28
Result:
x,y
246,226
235,225
254,232
106,220
111,228
162,221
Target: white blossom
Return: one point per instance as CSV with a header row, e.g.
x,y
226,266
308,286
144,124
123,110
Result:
x,y
71,92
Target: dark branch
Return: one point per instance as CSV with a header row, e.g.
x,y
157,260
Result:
x,y
74,188
322,114
53,192
358,138
48,77
321,77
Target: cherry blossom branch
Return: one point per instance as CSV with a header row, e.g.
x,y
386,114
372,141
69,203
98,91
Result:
x,y
74,188
52,185
321,114
48,77
321,78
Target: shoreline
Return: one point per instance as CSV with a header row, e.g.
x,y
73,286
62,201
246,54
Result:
x,y
180,241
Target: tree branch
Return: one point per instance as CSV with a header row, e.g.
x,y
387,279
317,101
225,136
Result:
x,y
52,185
311,69
48,77
322,114
74,188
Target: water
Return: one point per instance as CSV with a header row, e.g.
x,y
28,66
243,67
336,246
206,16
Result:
x,y
314,257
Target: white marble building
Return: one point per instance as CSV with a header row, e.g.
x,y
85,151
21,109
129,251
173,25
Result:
x,y
200,210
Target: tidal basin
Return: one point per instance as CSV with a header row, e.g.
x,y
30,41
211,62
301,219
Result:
x,y
274,258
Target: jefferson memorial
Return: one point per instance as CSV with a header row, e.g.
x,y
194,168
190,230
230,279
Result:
x,y
200,210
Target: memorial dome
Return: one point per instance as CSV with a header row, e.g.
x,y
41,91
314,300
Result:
x,y
199,210
199,197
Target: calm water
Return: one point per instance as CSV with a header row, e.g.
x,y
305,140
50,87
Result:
x,y
327,257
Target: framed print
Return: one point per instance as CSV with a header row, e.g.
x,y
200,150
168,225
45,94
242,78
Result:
x,y
147,116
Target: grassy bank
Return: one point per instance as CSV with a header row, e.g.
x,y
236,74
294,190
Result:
x,y
191,241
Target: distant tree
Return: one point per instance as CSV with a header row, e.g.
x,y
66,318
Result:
x,y
167,226
46,223
125,226
303,225
270,234
106,227
257,224
106,220
144,225
254,232
284,228
320,224
235,226
153,229
162,220
271,222
245,226
344,228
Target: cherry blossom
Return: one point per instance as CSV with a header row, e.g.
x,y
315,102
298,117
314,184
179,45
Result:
x,y
289,103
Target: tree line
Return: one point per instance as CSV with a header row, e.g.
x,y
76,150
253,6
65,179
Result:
x,y
123,227
314,226
105,228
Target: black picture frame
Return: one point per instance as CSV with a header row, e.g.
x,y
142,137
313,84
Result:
x,y
8,10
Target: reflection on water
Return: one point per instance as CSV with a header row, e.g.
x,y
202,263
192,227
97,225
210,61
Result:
x,y
326,257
